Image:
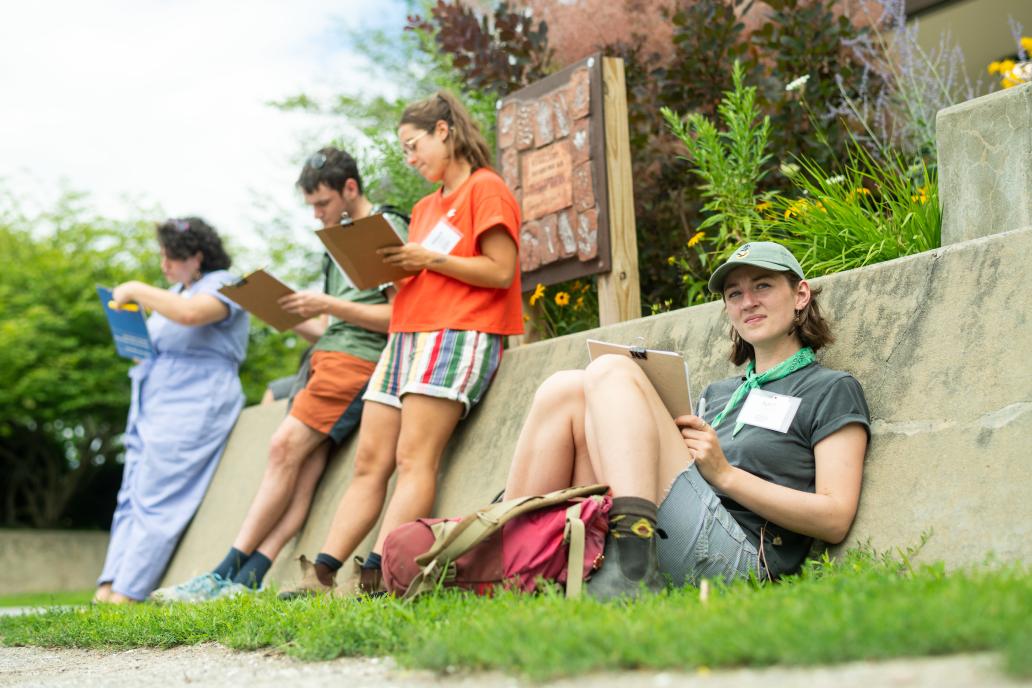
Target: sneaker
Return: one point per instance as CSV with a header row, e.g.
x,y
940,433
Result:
x,y
234,590
310,585
202,588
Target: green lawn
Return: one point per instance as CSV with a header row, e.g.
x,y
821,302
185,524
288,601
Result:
x,y
46,599
861,607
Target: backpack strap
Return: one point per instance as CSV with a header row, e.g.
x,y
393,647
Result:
x,y
573,535
452,542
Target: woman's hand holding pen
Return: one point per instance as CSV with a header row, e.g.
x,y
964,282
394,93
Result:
x,y
704,446
411,256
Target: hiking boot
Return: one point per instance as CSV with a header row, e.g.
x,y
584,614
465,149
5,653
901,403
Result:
x,y
370,580
202,588
310,585
630,567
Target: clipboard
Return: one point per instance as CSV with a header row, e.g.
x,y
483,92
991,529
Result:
x,y
353,248
128,327
258,293
666,370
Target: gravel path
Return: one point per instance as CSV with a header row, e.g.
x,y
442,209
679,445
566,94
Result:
x,y
213,665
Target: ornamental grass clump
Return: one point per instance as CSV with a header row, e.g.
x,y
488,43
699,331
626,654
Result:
x,y
875,210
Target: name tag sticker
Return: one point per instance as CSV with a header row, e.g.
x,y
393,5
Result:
x,y
768,410
442,238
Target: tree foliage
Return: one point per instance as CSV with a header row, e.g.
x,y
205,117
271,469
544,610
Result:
x,y
64,392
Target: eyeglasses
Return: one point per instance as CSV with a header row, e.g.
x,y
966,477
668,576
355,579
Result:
x,y
317,161
409,147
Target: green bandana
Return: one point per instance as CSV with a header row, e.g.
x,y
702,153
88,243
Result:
x,y
798,360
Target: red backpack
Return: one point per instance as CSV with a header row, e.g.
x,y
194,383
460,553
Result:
x,y
557,537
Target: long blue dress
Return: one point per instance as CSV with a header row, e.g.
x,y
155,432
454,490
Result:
x,y
185,401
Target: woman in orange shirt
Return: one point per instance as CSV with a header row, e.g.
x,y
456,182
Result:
x,y
446,331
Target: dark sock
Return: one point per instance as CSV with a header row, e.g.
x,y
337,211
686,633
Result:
x,y
232,564
326,567
632,524
372,561
252,572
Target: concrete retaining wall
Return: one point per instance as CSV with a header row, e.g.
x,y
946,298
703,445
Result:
x,y
50,560
938,341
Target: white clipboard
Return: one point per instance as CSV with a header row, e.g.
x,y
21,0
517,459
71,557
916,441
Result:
x,y
666,370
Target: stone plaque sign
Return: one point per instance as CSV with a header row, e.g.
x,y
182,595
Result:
x,y
551,153
547,180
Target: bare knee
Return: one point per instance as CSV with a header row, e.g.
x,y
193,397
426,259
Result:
x,y
560,389
373,462
611,369
286,451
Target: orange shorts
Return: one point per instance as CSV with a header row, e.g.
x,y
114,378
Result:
x,y
331,402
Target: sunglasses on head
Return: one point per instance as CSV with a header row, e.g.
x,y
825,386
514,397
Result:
x,y
179,225
317,161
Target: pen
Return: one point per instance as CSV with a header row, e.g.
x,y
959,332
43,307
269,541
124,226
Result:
x,y
113,305
702,407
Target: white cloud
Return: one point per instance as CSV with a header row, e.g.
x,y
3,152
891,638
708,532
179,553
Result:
x,y
166,101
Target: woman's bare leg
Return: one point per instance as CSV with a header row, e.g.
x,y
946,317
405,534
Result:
x,y
552,452
375,460
637,449
427,424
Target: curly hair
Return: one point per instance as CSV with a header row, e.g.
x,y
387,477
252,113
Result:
x,y
183,237
330,166
809,325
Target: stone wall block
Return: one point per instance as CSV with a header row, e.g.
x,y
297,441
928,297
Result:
x,y
985,164
544,122
507,125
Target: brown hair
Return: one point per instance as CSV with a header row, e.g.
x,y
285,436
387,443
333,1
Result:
x,y
464,137
811,328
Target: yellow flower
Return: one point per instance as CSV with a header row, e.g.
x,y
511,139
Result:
x,y
795,209
993,67
580,303
526,318
1026,43
539,293
921,196
696,238
761,206
584,287
671,260
562,298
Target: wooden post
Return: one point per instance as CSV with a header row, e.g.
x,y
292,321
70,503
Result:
x,y
619,292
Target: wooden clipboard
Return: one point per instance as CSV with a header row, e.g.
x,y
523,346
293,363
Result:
x,y
666,370
258,293
353,248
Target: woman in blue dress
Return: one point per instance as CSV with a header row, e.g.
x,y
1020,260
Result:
x,y
185,400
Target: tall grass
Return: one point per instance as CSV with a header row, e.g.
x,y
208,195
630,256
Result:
x,y
875,210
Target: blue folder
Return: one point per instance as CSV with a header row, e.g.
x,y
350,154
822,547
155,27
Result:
x,y
128,327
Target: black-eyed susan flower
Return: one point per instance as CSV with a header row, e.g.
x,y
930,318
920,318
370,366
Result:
x,y
562,298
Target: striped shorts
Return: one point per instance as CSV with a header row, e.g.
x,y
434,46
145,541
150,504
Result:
x,y
449,364
703,539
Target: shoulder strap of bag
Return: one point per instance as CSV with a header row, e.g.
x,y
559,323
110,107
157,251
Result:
x,y
451,543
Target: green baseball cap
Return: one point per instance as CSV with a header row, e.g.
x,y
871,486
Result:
x,y
762,254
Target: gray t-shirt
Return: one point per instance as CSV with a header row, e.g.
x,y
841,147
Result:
x,y
831,399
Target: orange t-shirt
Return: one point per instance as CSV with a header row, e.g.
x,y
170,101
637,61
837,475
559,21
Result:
x,y
431,301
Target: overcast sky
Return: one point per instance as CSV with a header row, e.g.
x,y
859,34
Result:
x,y
165,101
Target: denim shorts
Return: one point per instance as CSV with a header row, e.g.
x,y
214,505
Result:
x,y
703,539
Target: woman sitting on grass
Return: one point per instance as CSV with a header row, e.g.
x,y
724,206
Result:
x,y
773,460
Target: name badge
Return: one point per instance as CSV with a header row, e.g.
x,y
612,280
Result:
x,y
442,238
769,410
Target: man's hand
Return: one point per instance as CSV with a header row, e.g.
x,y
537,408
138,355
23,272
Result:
x,y
411,256
307,304
704,446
